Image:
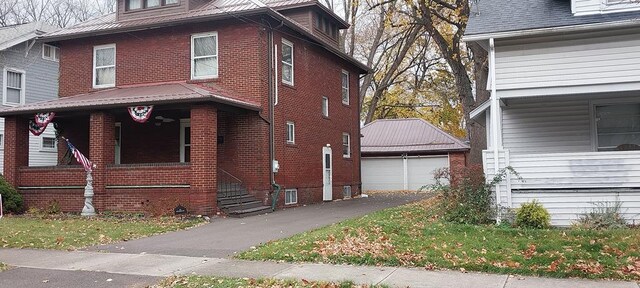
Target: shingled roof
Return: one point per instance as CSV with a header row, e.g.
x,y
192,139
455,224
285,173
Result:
x,y
493,16
16,34
412,136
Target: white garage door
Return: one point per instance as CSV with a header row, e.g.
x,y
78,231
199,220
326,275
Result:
x,y
389,173
382,174
420,170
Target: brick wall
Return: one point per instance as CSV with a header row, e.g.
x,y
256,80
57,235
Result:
x,y
457,163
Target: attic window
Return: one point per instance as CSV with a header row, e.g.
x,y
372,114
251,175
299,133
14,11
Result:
x,y
144,4
326,26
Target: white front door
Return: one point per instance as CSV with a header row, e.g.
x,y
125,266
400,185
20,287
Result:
x,y
327,168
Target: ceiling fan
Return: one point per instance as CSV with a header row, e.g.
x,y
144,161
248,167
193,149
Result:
x,y
160,120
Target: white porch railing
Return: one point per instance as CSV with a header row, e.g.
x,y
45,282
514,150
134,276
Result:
x,y
618,169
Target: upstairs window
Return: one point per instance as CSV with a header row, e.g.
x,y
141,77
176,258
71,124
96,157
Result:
x,y
345,87
204,55
326,26
142,4
14,87
291,133
346,145
104,66
287,62
618,127
51,53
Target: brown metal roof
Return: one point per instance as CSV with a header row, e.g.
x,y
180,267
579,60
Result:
x,y
407,136
161,93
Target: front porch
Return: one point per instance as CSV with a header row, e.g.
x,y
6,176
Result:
x,y
570,152
184,154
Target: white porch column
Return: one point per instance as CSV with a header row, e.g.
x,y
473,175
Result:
x,y
496,120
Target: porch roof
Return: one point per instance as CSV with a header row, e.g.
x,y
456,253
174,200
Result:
x,y
150,94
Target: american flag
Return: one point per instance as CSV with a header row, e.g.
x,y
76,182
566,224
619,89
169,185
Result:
x,y
88,165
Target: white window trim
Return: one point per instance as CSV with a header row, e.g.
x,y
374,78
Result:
x,y
293,132
115,72
592,115
183,124
53,48
348,155
193,57
286,42
47,149
1,141
344,189
285,196
342,87
325,113
22,89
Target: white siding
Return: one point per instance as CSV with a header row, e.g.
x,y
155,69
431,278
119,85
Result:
x,y
37,157
577,170
547,126
589,7
565,207
504,187
585,62
586,6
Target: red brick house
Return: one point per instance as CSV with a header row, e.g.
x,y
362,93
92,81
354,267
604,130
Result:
x,y
240,88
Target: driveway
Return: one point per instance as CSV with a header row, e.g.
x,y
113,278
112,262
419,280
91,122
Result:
x,y
225,236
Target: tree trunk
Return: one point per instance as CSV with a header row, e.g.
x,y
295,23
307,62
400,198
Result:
x,y
477,132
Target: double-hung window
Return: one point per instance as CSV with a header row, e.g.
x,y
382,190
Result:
x,y
51,53
291,132
325,106
49,144
204,55
618,127
142,4
104,66
14,87
1,141
345,87
346,145
185,140
287,62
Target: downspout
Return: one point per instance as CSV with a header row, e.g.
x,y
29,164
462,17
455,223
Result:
x,y
494,121
272,94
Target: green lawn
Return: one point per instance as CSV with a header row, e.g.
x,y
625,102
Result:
x,y
73,232
218,282
412,236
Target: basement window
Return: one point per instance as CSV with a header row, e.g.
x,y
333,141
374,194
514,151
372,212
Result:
x,y
290,196
346,192
617,127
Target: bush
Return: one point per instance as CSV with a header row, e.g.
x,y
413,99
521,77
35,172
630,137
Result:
x,y
11,199
467,198
605,215
532,215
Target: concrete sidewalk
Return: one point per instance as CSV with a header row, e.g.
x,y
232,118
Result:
x,y
150,265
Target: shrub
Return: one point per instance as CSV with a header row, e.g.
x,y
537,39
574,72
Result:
x,y
11,199
605,215
532,215
467,198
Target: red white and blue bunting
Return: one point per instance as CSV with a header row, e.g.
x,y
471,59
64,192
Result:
x,y
140,114
35,128
43,119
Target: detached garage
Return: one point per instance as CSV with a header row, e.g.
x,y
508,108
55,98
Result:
x,y
402,154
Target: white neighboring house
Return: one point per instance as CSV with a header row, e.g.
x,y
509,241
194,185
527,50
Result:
x,y
29,73
564,111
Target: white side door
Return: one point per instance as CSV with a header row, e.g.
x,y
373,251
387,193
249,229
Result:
x,y
327,174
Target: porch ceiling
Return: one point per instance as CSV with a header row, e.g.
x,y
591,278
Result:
x,y
162,93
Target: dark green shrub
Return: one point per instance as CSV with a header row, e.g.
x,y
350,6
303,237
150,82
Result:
x,y
605,215
532,215
467,197
11,199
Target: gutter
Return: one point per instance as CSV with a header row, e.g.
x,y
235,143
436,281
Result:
x,y
552,30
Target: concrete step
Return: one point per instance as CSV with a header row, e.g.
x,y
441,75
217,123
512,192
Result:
x,y
250,211
236,200
243,204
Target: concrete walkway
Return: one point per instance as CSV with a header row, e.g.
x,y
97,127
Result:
x,y
226,236
150,265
